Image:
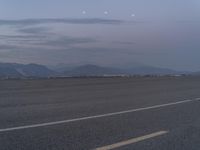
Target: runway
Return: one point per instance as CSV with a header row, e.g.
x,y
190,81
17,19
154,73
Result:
x,y
100,113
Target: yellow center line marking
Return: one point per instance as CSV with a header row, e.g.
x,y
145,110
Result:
x,y
132,141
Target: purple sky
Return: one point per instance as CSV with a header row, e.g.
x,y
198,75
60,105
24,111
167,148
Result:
x,y
104,32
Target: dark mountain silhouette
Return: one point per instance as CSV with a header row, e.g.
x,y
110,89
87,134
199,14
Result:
x,y
14,70
149,70
20,70
197,73
6,70
94,70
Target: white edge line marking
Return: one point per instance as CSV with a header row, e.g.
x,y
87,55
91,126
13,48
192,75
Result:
x,y
132,141
92,117
197,99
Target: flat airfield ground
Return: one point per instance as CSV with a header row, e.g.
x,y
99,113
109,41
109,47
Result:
x,y
136,113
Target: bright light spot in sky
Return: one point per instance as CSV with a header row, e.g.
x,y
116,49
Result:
x,y
106,12
132,15
84,12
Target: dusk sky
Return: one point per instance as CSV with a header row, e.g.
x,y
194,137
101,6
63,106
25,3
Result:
x,y
162,33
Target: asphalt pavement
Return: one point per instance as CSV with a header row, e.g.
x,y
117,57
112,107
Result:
x,y
136,113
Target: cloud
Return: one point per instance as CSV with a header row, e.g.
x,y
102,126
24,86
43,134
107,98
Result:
x,y
65,41
39,37
28,42
99,55
188,21
4,47
34,30
19,40
123,42
35,40
25,22
11,37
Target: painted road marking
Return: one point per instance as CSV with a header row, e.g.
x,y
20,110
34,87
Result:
x,y
93,117
198,99
132,141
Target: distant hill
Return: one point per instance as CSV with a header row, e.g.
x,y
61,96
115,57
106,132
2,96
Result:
x,y
94,70
13,70
7,70
149,70
196,73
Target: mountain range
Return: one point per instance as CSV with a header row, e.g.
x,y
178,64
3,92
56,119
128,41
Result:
x,y
14,70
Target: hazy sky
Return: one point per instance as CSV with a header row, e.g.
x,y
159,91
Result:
x,y
163,33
